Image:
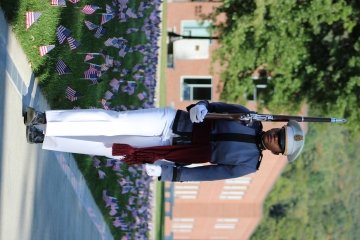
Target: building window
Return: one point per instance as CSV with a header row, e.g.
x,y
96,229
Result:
x,y
232,220
182,187
196,28
196,88
240,180
224,226
227,197
183,220
235,187
183,224
226,223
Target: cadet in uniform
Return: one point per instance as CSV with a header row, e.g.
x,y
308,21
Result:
x,y
233,148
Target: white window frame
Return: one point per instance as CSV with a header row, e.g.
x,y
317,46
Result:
x,y
195,85
201,24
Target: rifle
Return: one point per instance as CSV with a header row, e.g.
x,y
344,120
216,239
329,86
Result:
x,y
270,117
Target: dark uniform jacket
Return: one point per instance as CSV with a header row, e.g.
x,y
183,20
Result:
x,y
229,158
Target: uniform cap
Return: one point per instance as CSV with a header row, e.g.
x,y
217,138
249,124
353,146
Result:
x,y
294,140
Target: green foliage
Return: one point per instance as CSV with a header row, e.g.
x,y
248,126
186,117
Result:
x,y
311,48
318,192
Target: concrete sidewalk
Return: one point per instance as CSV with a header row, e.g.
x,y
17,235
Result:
x,y
42,194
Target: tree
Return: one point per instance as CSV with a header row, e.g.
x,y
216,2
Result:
x,y
310,47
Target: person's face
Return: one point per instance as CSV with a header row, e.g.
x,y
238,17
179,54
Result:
x,y
271,140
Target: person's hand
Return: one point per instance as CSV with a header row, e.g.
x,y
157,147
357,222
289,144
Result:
x,y
152,170
198,113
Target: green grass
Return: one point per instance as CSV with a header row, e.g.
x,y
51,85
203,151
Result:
x,y
163,66
160,212
43,32
160,201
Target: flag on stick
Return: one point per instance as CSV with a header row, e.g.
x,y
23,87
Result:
x,y
132,30
109,9
100,32
73,43
90,25
115,84
104,104
89,9
130,13
74,1
109,61
91,73
141,96
105,17
108,95
31,17
95,66
88,57
60,3
71,94
62,33
104,67
45,49
62,68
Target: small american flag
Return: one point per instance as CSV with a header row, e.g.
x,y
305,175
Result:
x,y
104,104
45,49
109,9
108,95
115,84
109,61
141,96
132,30
62,68
88,57
100,32
130,13
71,94
90,25
104,68
89,9
111,42
91,73
60,3
73,44
31,17
62,33
74,1
105,17
95,66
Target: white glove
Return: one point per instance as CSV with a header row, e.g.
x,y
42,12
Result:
x,y
198,113
152,170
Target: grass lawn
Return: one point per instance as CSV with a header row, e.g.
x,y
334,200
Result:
x,y
133,66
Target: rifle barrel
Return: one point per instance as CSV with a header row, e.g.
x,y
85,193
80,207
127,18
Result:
x,y
286,118
271,118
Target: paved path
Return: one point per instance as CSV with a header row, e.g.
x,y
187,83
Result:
x,y
42,193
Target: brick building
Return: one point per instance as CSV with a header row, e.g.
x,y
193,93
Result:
x,y
228,209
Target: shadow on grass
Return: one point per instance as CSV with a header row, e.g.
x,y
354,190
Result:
x,y
11,9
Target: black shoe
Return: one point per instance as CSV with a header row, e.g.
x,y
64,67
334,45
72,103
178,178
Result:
x,y
34,135
32,117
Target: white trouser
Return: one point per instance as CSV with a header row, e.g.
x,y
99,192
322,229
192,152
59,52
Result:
x,y
93,131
